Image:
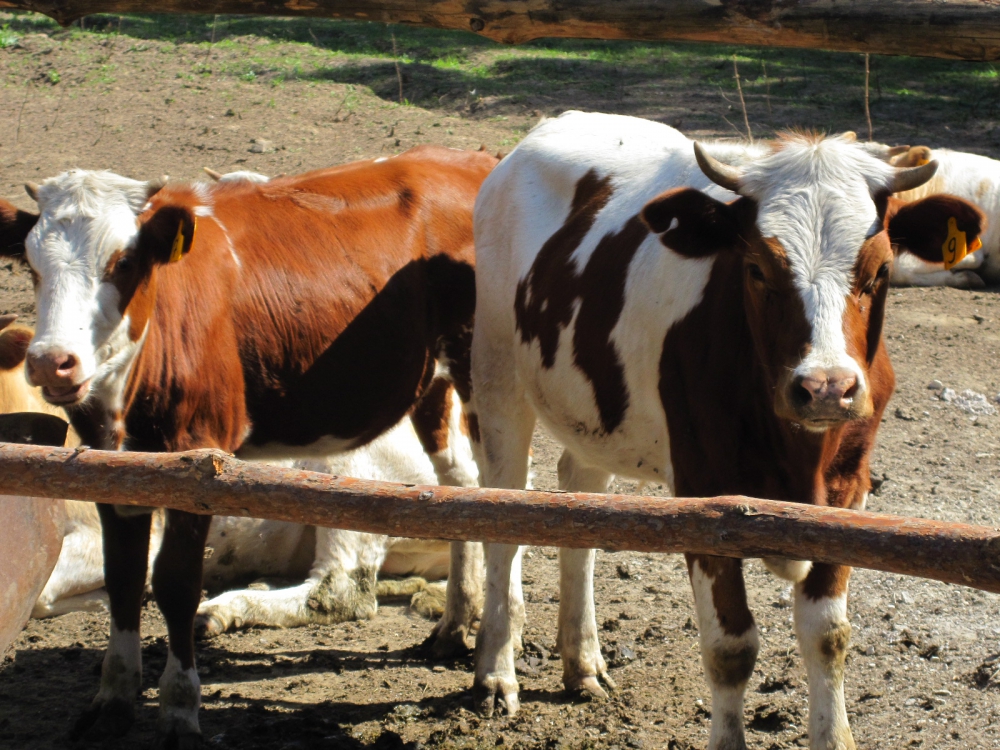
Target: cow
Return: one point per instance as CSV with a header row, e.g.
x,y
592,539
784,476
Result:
x,y
976,179
705,316
296,318
347,570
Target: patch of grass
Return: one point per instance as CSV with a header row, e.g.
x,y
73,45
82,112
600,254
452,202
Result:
x,y
7,37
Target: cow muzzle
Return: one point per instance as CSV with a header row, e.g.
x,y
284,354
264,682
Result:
x,y
823,398
59,375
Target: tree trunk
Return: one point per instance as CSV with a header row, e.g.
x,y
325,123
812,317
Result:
x,y
959,29
212,482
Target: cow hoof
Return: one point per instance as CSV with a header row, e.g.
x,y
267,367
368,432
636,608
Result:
x,y
208,625
429,603
486,692
106,718
589,685
446,643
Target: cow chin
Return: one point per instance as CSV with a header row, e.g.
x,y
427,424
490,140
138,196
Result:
x,y
67,396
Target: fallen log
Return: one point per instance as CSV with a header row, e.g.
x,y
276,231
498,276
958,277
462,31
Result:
x,y
958,29
212,482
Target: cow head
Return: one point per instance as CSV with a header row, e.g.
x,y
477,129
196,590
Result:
x,y
92,286
816,230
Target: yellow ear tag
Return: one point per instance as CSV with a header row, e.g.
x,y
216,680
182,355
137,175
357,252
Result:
x,y
954,248
178,249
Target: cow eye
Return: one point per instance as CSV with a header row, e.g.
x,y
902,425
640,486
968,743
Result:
x,y
124,264
882,272
755,273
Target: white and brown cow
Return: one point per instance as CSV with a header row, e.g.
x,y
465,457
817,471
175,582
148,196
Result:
x,y
708,317
300,317
976,179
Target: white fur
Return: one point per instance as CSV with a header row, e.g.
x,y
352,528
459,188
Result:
x,y
180,699
814,197
828,726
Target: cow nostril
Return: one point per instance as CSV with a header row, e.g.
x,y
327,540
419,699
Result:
x,y
66,363
800,395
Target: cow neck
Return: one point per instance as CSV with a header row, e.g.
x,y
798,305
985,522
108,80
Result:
x,y
719,401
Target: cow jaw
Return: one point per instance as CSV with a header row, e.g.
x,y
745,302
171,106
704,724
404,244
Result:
x,y
82,342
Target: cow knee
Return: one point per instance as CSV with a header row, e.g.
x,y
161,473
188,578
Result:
x,y
729,662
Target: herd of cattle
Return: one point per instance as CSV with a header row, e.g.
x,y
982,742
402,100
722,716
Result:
x,y
706,316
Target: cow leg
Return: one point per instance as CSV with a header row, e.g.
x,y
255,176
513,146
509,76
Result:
x,y
583,665
729,643
177,589
437,422
463,601
342,586
126,544
824,634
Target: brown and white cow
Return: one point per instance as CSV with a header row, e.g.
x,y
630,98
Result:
x,y
296,318
708,317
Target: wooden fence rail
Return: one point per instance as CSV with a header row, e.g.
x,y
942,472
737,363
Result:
x,y
959,29
213,482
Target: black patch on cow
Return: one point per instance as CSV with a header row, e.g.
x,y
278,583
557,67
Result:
x,y
545,298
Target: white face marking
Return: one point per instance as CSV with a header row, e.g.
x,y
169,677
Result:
x,y
85,217
816,199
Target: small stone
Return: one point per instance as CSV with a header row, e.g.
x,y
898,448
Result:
x,y
438,668
261,146
935,385
905,598
910,702
870,651
785,598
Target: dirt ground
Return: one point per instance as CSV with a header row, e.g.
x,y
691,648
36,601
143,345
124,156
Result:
x,y
924,666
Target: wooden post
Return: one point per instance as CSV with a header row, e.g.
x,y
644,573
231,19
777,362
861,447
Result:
x,y
207,481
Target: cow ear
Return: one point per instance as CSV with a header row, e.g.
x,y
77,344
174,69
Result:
x,y
167,235
929,228
693,224
14,227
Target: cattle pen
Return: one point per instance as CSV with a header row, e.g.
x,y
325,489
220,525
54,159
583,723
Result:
x,y
212,482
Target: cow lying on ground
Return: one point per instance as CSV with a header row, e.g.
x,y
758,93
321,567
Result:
x,y
974,178
344,570
704,316
298,318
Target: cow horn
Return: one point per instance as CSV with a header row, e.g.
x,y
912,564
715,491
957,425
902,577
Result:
x,y
212,173
31,188
721,174
155,186
850,136
912,177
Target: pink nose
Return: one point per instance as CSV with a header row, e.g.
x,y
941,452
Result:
x,y
58,369
826,387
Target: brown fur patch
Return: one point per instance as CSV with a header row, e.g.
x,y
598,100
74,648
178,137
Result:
x,y
431,414
729,595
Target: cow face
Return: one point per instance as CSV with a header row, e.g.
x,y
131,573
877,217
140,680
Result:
x,y
815,229
89,282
